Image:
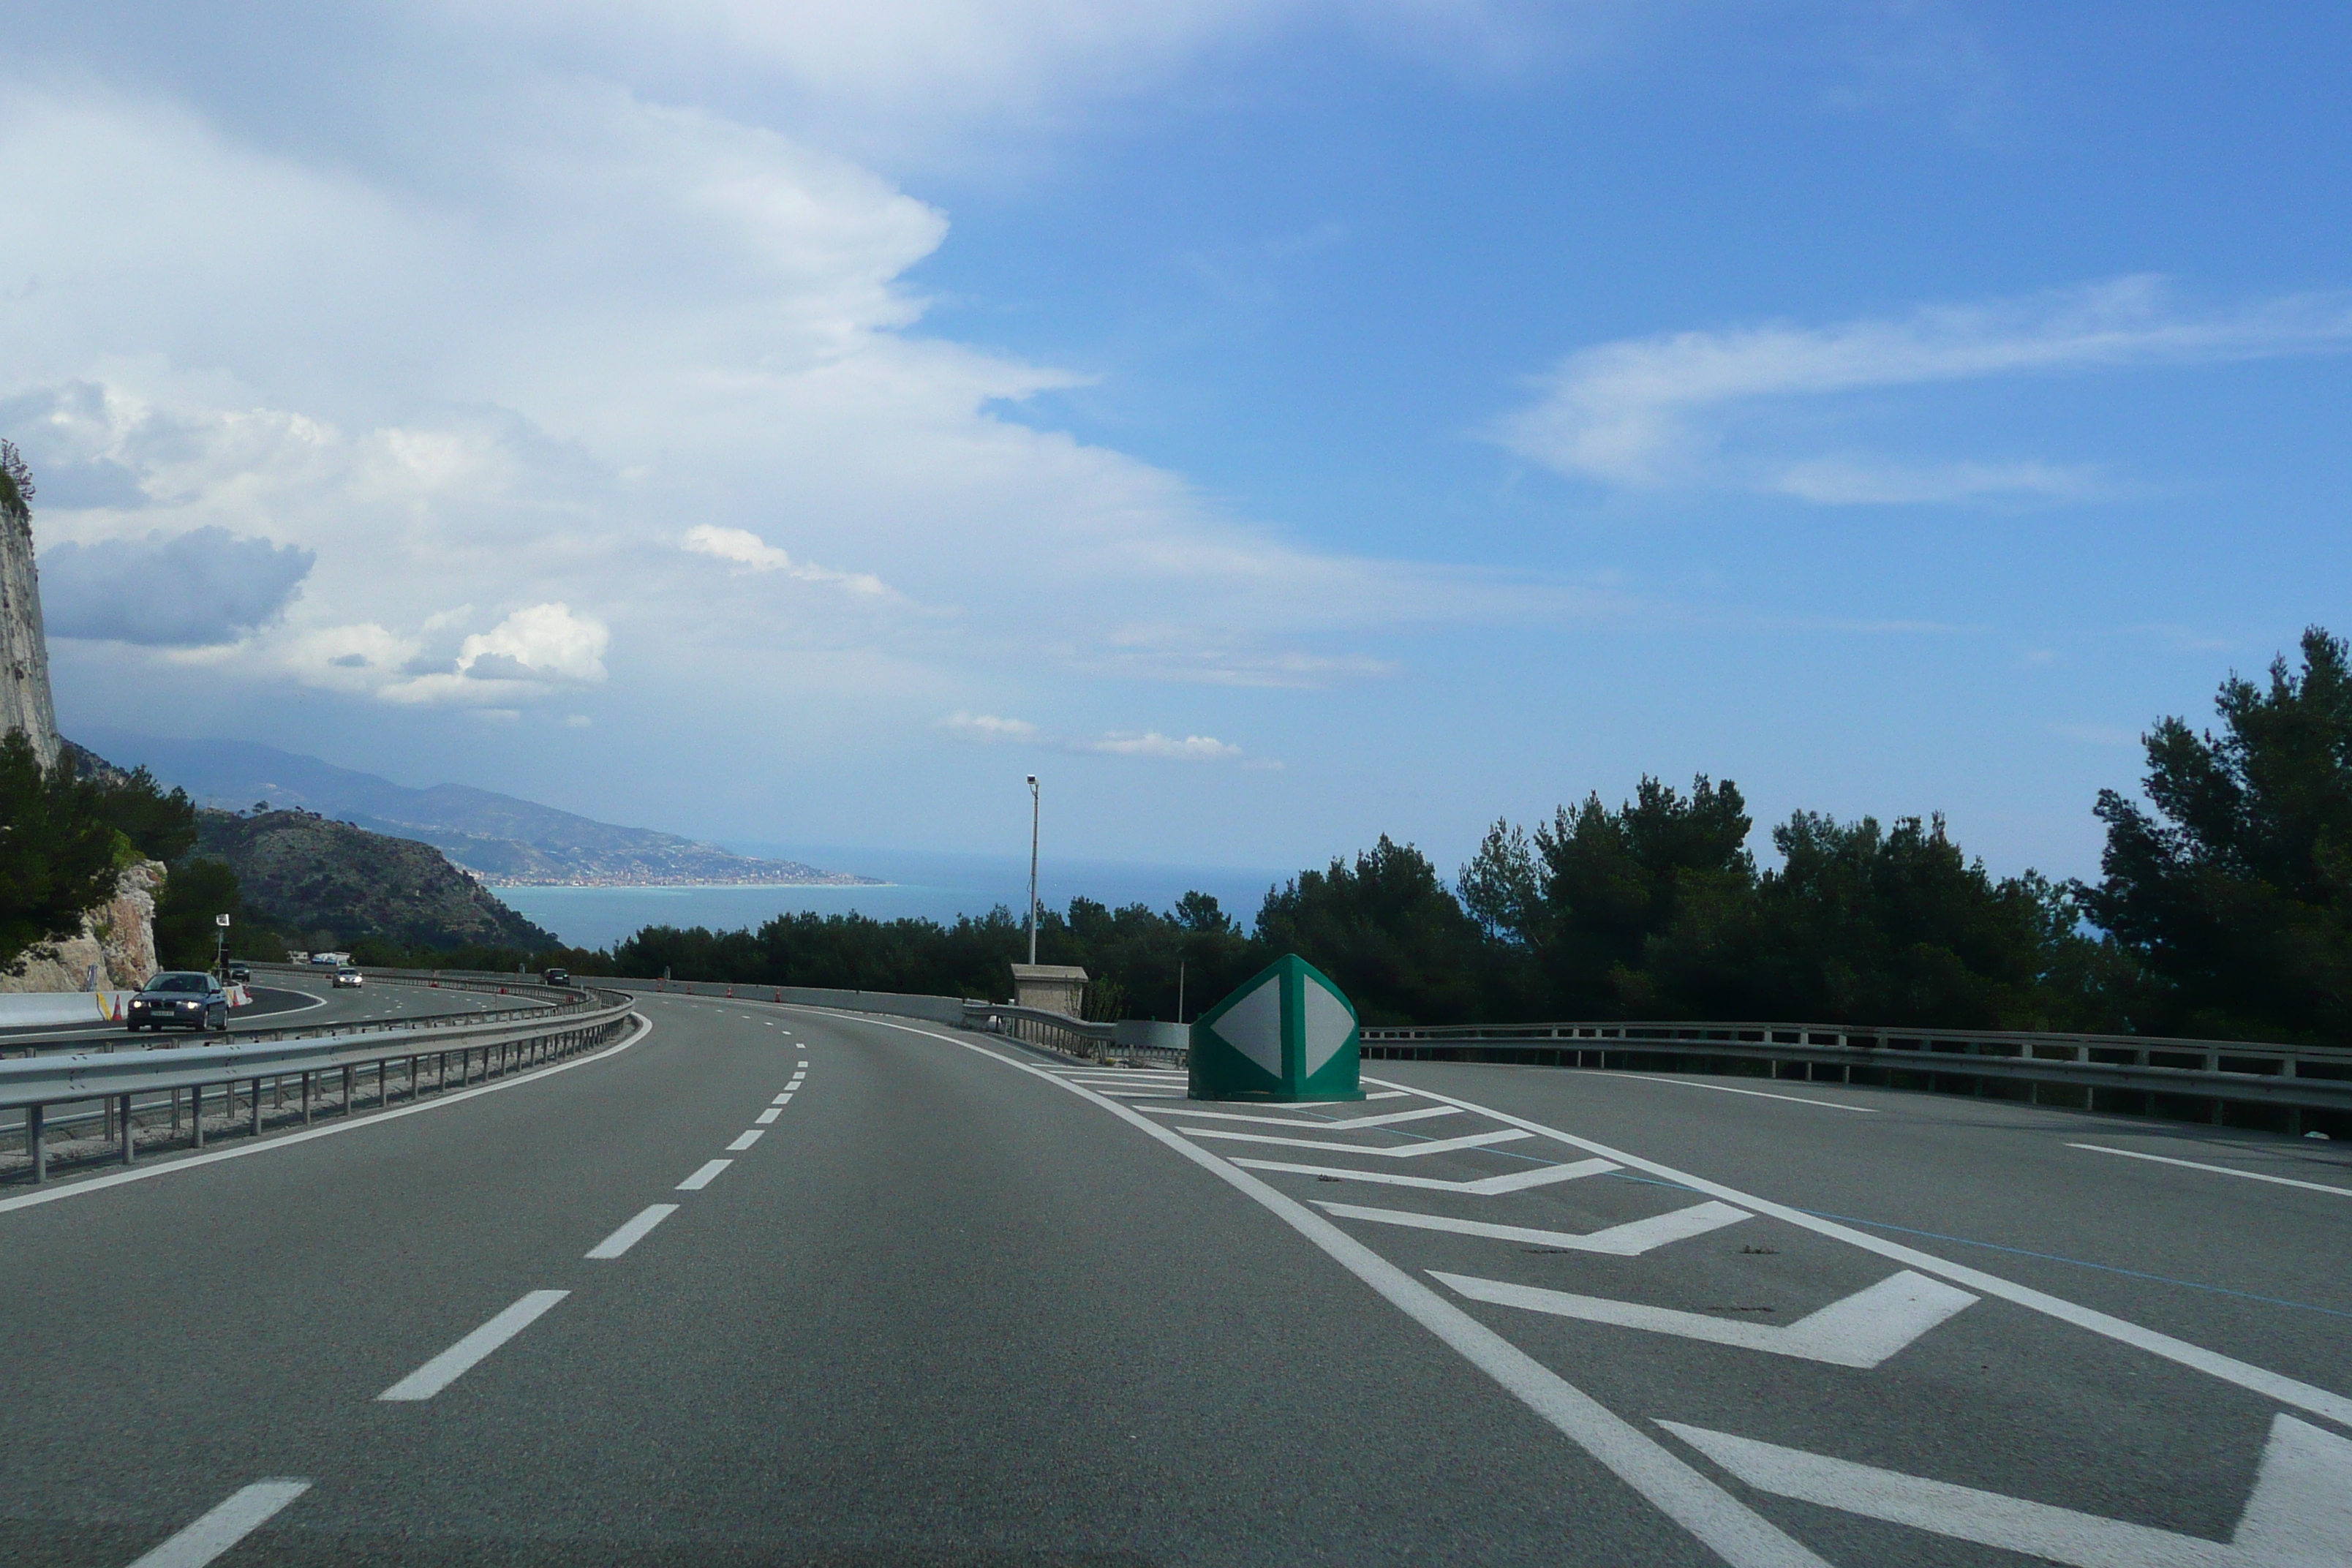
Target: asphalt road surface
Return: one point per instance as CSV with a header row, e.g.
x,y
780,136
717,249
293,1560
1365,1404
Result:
x,y
770,1285
279,1002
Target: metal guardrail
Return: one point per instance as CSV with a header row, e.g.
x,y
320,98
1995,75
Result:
x,y
2140,1074
1060,1032
484,1048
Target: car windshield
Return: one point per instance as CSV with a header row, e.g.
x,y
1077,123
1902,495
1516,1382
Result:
x,y
178,982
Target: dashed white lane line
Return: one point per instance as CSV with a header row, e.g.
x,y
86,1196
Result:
x,y
629,1235
783,1098
454,1362
1754,1094
246,1509
768,1116
745,1140
2217,1170
705,1176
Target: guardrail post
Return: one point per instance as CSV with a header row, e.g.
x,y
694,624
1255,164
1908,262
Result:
x,y
129,1140
257,1108
306,1099
36,1141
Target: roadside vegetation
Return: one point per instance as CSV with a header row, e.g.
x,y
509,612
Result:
x,y
2223,910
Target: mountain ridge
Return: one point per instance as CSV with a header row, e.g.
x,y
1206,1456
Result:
x,y
498,840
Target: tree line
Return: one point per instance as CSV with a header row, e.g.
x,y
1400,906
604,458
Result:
x,y
2223,910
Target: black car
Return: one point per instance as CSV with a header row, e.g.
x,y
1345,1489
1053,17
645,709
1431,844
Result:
x,y
184,998
558,977
238,973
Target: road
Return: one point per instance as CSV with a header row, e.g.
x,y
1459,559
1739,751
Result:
x,y
950,1302
277,1002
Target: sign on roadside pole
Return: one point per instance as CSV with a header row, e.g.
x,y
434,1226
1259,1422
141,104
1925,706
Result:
x,y
1286,1034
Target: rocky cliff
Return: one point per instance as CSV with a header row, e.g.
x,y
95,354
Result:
x,y
117,938
25,702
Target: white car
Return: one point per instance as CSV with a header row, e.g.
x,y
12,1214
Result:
x,y
347,975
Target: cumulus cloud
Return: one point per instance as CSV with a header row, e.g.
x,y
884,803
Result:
x,y
1684,408
186,590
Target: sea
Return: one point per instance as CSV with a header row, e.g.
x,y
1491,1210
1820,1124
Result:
x,y
937,887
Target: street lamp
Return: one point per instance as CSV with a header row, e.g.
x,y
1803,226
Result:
x,y
1033,867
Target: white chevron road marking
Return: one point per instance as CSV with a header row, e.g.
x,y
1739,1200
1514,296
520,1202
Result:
x,y
1347,1124
1861,1331
1407,1152
1478,1187
1629,1241
2299,1515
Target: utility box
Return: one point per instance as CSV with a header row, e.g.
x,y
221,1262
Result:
x,y
1287,1033
1056,987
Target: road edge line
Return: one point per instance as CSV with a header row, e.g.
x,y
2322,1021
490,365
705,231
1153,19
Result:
x,y
1729,1528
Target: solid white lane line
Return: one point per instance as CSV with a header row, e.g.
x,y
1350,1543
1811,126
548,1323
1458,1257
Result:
x,y
2302,1395
1406,1152
629,1235
1390,1094
1484,1187
1628,1240
2217,1170
767,1116
247,1511
454,1362
1344,1124
745,1140
332,1129
705,1176
1733,1531
1756,1093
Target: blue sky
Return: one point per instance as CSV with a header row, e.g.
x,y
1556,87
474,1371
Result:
x,y
1276,425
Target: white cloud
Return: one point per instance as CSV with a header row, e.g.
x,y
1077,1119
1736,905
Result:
x,y
1152,743
988,727
548,641
1678,408
753,553
1839,482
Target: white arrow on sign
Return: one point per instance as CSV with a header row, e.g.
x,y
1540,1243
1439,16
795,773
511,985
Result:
x,y
2300,1515
1631,1239
1861,1331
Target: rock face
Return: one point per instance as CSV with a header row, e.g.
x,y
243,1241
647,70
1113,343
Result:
x,y
315,879
24,702
118,937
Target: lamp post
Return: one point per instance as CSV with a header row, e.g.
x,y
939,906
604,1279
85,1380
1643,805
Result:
x,y
1033,867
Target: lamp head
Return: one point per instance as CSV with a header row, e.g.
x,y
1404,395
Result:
x,y
1032,780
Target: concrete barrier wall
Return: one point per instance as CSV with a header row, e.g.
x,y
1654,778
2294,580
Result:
x,y
41,1009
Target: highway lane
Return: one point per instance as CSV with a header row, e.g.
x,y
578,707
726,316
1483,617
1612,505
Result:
x,y
279,1002
951,1305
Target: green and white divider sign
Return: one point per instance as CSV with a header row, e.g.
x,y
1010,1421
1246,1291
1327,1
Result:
x,y
1287,1033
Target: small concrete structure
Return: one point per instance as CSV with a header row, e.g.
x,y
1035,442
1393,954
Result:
x,y
1057,988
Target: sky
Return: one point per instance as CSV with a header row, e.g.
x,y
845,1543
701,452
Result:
x,y
1274,425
